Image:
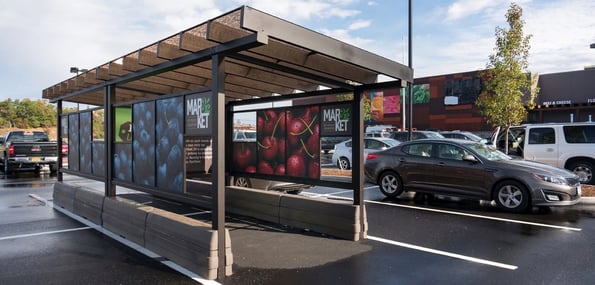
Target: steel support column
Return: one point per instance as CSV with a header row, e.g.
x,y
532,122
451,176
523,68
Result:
x,y
109,96
60,176
410,84
357,153
218,107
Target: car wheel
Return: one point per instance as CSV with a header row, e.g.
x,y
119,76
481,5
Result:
x,y
584,170
512,196
344,163
390,184
242,182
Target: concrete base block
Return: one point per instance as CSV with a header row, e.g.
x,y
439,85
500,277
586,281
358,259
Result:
x,y
63,195
263,205
185,241
125,218
336,218
89,204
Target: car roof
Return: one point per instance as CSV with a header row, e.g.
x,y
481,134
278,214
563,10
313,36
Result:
x,y
439,140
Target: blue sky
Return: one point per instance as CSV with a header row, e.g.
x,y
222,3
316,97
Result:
x,y
41,40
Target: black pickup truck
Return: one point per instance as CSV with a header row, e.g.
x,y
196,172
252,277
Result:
x,y
27,151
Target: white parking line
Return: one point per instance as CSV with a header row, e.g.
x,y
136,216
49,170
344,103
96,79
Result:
x,y
445,253
330,195
477,216
140,249
122,240
45,233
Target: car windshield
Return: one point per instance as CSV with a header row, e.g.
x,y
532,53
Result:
x,y
432,135
487,151
474,137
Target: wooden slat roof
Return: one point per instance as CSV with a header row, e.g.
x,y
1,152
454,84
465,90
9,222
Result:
x,y
264,56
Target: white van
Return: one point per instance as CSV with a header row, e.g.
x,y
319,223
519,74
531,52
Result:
x,y
564,145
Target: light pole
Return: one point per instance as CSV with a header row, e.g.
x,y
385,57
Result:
x,y
77,70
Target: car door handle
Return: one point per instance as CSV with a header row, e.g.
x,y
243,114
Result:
x,y
441,164
549,150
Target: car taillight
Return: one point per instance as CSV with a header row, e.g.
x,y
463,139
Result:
x,y
64,148
11,150
371,156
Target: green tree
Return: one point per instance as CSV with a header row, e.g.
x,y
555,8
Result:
x,y
8,113
27,114
509,88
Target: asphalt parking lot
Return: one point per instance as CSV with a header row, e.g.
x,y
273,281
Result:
x,y
412,240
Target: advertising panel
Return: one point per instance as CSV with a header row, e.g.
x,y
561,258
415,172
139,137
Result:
x,y
336,120
123,124
287,144
199,154
198,114
169,151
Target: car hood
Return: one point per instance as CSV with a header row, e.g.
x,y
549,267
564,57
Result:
x,y
538,167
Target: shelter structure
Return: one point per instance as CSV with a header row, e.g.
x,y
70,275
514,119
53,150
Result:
x,y
179,94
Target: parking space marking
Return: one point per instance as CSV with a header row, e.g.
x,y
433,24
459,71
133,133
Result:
x,y
327,194
45,233
140,249
478,216
445,253
196,213
331,195
120,239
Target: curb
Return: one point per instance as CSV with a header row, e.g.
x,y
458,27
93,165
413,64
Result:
x,y
587,200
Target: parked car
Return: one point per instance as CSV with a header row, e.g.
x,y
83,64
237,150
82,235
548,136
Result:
x,y
24,150
564,145
416,135
328,143
472,170
342,153
244,136
463,135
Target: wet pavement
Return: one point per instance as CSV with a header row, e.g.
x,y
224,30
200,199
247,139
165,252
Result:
x,y
413,240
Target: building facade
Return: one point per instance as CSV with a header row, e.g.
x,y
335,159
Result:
x,y
447,102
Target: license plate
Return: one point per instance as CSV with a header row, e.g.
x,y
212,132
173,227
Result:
x,y
35,158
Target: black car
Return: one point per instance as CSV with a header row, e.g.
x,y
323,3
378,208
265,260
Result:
x,y
470,170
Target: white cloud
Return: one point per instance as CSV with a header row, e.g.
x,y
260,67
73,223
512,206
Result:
x,y
463,8
360,24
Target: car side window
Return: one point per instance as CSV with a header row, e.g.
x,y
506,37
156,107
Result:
x,y
542,136
348,144
419,149
579,134
449,151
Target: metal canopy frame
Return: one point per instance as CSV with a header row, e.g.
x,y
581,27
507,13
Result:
x,y
244,54
265,56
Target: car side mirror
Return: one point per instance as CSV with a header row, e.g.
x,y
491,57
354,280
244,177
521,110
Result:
x,y
469,158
